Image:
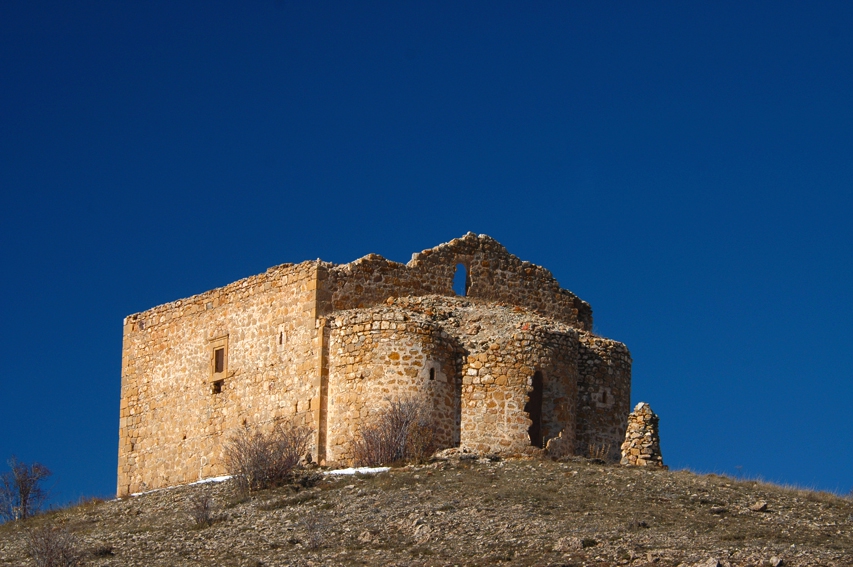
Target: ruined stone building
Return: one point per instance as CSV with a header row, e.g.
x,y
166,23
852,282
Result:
x,y
505,367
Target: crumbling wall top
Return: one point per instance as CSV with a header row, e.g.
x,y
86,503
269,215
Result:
x,y
281,275
492,274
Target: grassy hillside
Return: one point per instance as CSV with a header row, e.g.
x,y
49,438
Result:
x,y
466,512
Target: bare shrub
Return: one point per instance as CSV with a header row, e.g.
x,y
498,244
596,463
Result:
x,y
421,442
201,509
21,492
51,546
405,431
316,529
103,550
258,460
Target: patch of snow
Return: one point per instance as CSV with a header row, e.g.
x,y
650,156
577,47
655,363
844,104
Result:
x,y
358,470
150,491
202,481
211,479
349,471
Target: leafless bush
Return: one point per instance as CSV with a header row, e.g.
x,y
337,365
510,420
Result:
x,y
53,547
21,493
258,460
103,550
421,443
201,509
316,528
405,431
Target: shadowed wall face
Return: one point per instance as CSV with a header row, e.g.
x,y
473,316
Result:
x,y
604,395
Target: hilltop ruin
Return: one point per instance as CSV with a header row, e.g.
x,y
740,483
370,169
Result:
x,y
504,368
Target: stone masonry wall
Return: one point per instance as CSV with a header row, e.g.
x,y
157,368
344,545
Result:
x,y
497,381
500,348
558,362
497,276
604,394
380,354
371,280
493,274
171,423
485,355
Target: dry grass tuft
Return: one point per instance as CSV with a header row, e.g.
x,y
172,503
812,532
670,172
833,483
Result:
x,y
599,451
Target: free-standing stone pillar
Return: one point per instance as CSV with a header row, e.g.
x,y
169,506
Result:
x,y
642,440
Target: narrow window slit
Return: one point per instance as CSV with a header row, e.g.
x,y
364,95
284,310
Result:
x,y
218,360
432,373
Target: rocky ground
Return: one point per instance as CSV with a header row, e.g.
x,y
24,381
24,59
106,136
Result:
x,y
469,511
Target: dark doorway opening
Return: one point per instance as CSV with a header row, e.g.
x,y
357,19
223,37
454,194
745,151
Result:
x,y
460,280
533,407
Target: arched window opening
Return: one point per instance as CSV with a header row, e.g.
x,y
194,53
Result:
x,y
460,280
533,407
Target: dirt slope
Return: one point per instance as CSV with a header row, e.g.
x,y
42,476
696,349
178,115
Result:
x,y
468,512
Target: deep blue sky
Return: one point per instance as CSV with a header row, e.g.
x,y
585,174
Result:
x,y
684,167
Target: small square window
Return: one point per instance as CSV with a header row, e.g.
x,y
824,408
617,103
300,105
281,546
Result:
x,y
217,386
